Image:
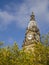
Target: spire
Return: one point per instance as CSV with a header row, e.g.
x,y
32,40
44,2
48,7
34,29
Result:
x,y
32,17
32,33
32,22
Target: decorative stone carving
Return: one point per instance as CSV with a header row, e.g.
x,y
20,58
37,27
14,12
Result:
x,y
32,32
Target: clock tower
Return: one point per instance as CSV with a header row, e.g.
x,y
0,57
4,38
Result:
x,y
32,34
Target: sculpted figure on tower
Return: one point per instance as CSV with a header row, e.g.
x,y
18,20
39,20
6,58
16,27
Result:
x,y
32,33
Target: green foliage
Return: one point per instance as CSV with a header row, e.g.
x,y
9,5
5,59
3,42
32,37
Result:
x,y
1,44
45,39
14,56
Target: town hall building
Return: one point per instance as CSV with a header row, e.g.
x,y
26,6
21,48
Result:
x,y
32,34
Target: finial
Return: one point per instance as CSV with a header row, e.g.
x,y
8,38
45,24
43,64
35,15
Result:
x,y
32,13
32,16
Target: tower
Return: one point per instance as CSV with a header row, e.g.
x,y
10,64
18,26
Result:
x,y
32,34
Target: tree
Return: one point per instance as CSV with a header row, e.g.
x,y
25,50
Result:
x,y
14,56
1,43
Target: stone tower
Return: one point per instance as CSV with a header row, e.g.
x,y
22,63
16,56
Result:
x,y
32,34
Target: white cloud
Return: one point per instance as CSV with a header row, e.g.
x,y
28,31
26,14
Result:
x,y
5,19
39,7
23,11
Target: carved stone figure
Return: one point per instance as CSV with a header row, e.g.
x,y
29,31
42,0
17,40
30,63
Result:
x,y
32,32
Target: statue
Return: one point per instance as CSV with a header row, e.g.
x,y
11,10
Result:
x,y
32,16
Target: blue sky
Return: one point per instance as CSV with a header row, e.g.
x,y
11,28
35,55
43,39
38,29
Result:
x,y
15,16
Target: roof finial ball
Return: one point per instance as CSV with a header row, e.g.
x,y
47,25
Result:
x,y
32,16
